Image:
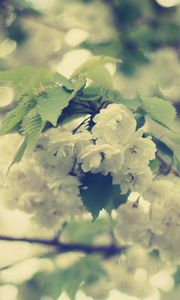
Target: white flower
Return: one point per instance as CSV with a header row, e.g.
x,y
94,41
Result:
x,y
165,217
30,202
164,198
72,143
49,214
140,151
136,180
57,151
47,196
114,124
66,191
101,158
133,224
159,191
65,142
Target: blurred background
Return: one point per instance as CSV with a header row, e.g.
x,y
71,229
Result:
x,y
61,35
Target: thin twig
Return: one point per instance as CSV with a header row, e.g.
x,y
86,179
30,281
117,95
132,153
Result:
x,y
61,247
60,231
112,234
82,123
42,255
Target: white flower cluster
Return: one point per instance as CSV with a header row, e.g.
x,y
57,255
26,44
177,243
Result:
x,y
27,188
164,198
154,222
48,186
120,149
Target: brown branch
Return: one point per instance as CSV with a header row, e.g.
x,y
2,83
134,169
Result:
x,y
61,247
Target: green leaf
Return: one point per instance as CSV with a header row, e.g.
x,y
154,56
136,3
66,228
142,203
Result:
x,y
85,231
93,62
93,90
140,120
79,84
163,148
83,273
154,165
100,75
89,271
159,110
176,162
166,151
52,104
91,93
25,79
174,137
177,276
32,126
64,81
96,191
115,97
12,119
117,198
19,154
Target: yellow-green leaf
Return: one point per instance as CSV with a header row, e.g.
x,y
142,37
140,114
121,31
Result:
x,y
159,110
92,63
52,104
25,79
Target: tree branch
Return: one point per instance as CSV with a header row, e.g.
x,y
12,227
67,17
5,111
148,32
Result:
x,y
61,247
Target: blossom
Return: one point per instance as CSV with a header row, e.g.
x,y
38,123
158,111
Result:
x,y
66,191
101,158
114,124
165,216
155,192
45,198
49,214
164,199
140,151
136,180
69,143
133,224
57,151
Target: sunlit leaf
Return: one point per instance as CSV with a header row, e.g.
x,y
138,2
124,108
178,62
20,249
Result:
x,y
63,81
26,79
12,118
52,103
100,75
93,62
32,127
159,110
19,154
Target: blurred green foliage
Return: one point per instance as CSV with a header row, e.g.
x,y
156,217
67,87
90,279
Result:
x,y
142,27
